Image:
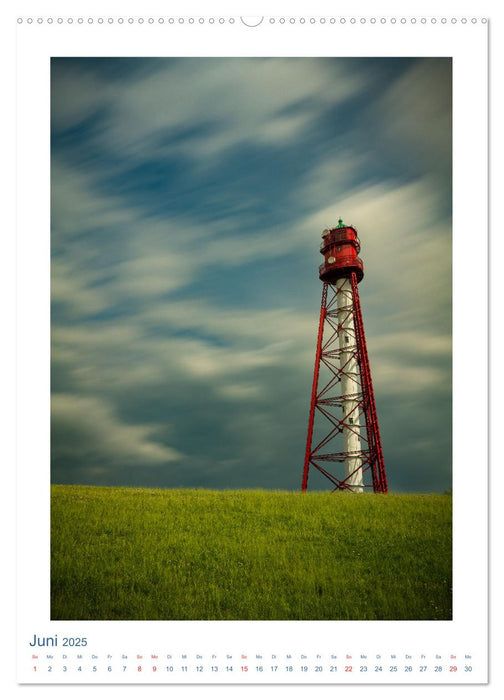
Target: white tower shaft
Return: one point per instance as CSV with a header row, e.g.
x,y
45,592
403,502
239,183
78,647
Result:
x,y
349,386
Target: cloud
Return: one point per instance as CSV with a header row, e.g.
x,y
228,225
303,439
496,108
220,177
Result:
x,y
145,276
105,251
418,109
240,392
414,343
75,95
332,177
235,324
73,287
89,426
108,357
208,99
80,206
202,360
392,378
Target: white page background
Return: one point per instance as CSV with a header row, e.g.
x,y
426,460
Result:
x,y
469,158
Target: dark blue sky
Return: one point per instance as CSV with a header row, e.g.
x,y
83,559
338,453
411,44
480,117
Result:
x,y
188,199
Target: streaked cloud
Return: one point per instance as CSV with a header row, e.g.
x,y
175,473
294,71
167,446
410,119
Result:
x,y
89,427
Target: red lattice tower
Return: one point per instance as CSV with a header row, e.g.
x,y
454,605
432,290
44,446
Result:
x,y
342,409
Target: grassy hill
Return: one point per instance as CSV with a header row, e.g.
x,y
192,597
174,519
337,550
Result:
x,y
149,554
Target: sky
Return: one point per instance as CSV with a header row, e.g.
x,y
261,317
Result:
x,y
188,200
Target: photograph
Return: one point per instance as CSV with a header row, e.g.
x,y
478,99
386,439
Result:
x,y
251,338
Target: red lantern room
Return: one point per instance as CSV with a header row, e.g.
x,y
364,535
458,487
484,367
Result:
x,y
340,248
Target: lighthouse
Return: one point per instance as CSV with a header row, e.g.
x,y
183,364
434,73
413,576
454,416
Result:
x,y
343,442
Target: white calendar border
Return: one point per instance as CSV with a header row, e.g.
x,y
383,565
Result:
x,y
470,549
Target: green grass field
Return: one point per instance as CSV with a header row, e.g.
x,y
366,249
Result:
x,y
146,554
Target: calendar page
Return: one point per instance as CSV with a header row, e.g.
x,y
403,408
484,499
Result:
x,y
252,325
